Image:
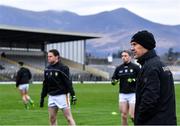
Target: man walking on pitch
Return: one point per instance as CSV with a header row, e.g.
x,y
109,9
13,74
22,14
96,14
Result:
x,y
57,84
22,83
125,75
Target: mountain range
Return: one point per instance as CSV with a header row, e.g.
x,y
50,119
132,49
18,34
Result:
x,y
115,27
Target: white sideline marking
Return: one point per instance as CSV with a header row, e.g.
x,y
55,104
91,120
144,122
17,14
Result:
x,y
75,82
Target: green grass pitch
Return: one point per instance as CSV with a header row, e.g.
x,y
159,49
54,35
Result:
x,y
95,105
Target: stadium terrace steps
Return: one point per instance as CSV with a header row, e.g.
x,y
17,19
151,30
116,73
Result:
x,y
11,67
22,52
15,63
97,72
86,68
37,64
35,61
4,78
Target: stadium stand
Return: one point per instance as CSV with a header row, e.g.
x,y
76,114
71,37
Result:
x,y
18,43
36,64
31,47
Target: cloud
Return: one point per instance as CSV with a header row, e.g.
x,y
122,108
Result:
x,y
161,11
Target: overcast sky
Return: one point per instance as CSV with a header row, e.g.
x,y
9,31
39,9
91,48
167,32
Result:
x,y
160,11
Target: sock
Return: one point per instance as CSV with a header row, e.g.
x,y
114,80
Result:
x,y
26,105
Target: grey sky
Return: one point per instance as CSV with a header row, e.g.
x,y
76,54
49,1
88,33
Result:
x,y
160,11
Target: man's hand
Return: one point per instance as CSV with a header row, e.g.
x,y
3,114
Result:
x,y
41,103
73,100
114,82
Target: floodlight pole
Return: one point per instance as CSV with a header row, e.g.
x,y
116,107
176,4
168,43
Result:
x,y
84,64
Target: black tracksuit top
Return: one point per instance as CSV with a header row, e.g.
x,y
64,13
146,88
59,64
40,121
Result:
x,y
57,80
125,72
23,76
155,95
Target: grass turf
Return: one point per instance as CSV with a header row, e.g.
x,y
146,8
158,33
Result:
x,y
95,105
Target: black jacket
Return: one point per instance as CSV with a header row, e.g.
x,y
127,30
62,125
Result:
x,y
127,74
23,76
155,95
57,81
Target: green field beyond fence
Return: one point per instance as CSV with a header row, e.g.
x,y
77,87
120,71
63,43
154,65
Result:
x,y
95,105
